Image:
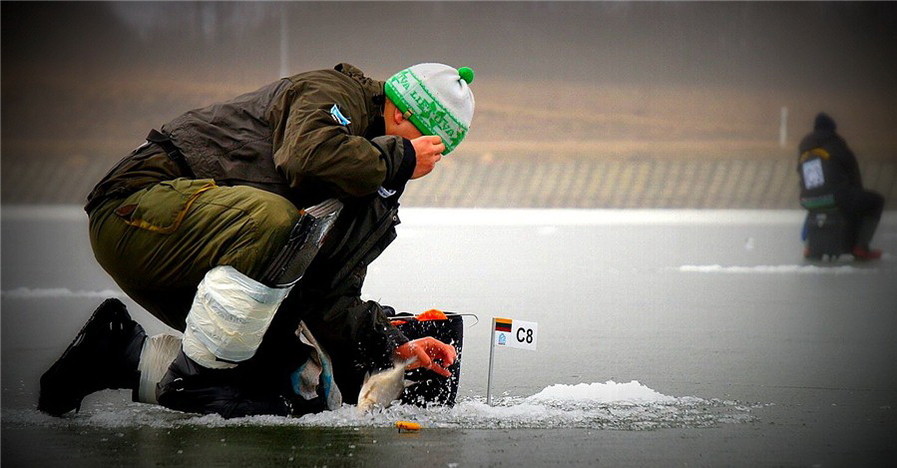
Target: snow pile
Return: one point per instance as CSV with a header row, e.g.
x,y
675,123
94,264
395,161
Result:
x,y
608,392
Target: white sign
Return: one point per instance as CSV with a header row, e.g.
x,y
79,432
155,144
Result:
x,y
813,174
522,335
513,334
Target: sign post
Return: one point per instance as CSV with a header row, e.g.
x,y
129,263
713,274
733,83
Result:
x,y
491,358
783,127
513,334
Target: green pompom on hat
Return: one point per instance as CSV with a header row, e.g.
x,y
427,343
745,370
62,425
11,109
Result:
x,y
436,98
466,74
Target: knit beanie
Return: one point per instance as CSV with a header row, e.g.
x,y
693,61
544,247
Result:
x,y
436,98
824,122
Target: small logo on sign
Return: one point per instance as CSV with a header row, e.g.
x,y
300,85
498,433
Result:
x,y
338,116
502,339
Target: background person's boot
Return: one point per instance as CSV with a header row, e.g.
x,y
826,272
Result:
x,y
103,355
865,253
865,231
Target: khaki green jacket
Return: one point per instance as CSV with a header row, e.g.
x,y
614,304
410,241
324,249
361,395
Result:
x,y
309,137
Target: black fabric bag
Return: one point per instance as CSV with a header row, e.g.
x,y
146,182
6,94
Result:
x,y
829,233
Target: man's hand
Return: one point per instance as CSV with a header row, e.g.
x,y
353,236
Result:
x,y
428,352
428,150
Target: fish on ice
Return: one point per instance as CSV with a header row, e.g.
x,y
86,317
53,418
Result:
x,y
379,390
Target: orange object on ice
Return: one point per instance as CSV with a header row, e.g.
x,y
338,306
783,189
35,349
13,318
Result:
x,y
431,314
407,426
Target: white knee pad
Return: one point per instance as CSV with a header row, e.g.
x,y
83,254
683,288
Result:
x,y
230,314
156,356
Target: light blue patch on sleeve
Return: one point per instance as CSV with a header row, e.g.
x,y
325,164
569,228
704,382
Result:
x,y
385,192
338,116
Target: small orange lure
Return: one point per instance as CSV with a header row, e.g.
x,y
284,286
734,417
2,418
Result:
x,y
407,426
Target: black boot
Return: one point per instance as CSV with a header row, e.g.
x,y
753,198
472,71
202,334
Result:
x,y
104,355
231,393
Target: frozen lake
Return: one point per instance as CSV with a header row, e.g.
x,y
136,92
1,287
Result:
x,y
665,338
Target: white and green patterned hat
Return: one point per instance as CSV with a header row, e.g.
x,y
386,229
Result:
x,y
436,98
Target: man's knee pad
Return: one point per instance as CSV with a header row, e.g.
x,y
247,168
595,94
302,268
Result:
x,y
230,314
305,240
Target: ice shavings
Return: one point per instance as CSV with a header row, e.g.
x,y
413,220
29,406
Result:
x,y
609,405
43,293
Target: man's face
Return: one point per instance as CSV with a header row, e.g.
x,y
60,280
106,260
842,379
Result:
x,y
408,131
398,125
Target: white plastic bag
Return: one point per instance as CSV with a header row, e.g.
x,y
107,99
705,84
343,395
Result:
x,y
230,314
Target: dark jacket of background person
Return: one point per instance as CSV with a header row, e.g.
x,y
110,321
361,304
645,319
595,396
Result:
x,y
840,167
830,177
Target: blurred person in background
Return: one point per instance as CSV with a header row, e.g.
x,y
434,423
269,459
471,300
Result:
x,y
830,178
202,226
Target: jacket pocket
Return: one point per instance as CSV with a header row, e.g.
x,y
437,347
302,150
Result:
x,y
162,207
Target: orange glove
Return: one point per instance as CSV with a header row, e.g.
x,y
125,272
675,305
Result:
x,y
429,353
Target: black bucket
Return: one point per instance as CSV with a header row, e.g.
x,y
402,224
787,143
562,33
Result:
x,y
829,233
431,388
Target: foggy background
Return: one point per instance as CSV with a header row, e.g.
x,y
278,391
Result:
x,y
578,104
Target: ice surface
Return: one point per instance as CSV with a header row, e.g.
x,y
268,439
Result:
x,y
710,312
608,405
594,217
63,293
778,269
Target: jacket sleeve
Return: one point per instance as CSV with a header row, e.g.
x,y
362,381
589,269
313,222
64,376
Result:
x,y
312,143
847,163
331,304
354,328
371,337
350,329
853,168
